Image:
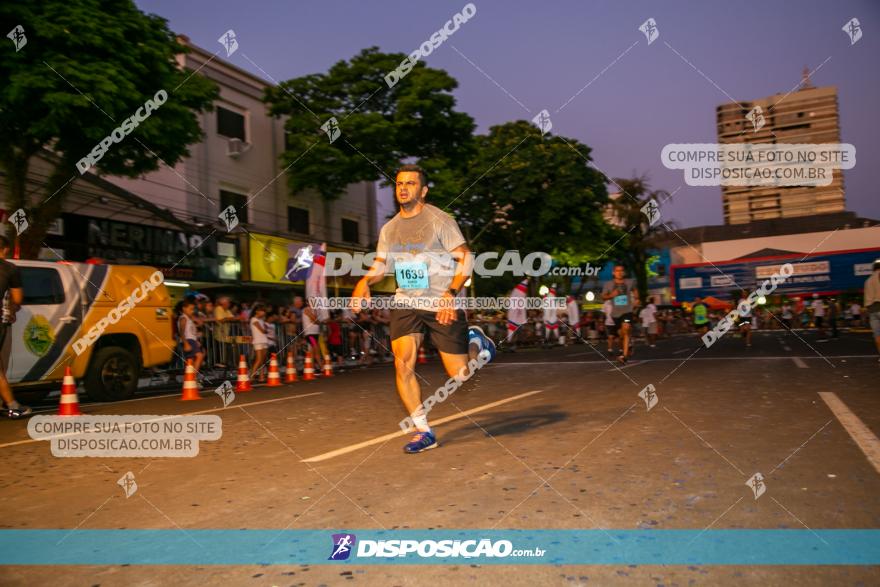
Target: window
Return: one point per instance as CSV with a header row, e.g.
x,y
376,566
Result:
x,y
230,124
238,201
350,231
41,285
298,220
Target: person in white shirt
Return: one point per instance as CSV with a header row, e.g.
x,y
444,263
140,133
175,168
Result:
x,y
260,340
819,314
610,328
648,316
855,311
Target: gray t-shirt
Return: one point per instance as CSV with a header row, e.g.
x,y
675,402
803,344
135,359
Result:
x,y
622,303
417,251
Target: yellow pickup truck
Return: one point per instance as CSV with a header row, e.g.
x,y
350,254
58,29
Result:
x,y
107,322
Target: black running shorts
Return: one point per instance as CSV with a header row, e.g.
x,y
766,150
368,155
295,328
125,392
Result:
x,y
452,339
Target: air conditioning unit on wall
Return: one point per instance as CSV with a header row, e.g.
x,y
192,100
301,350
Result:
x,y
235,147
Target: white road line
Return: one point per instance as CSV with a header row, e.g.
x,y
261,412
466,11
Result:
x,y
861,434
678,352
785,358
799,362
169,416
351,448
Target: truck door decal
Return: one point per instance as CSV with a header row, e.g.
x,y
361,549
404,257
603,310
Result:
x,y
94,278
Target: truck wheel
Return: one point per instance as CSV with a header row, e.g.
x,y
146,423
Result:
x,y
112,375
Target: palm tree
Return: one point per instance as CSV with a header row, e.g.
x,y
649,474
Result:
x,y
630,212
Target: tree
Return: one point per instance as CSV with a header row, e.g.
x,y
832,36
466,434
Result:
x,y
528,192
636,234
86,68
380,126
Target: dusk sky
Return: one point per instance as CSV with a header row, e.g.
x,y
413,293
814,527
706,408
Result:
x,y
540,54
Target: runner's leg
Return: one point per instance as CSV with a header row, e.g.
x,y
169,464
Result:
x,y
405,349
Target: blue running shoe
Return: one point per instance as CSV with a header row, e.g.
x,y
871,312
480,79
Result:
x,y
484,344
421,442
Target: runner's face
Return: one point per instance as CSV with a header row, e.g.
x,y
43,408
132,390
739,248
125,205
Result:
x,y
409,188
619,273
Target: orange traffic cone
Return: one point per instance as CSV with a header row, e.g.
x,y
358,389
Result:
x,y
290,371
243,383
68,404
328,366
308,369
423,358
274,379
190,387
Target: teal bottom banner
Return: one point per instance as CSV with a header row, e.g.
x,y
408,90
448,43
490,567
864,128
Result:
x,y
440,547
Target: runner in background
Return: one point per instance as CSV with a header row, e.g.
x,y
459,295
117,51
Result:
x,y
648,315
623,297
745,320
700,316
610,329
872,302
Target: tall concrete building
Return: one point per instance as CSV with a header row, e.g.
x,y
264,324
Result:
x,y
808,115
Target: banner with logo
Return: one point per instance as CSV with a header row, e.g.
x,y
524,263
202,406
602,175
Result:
x,y
277,259
441,547
819,273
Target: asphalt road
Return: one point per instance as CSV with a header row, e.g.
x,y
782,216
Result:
x,y
553,438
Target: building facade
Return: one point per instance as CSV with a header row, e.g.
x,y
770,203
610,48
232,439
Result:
x,y
808,115
238,163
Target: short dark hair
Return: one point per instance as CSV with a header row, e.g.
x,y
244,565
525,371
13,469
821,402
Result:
x,y
4,242
423,177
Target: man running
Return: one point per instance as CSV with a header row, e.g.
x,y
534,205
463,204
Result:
x,y
12,295
624,297
420,243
